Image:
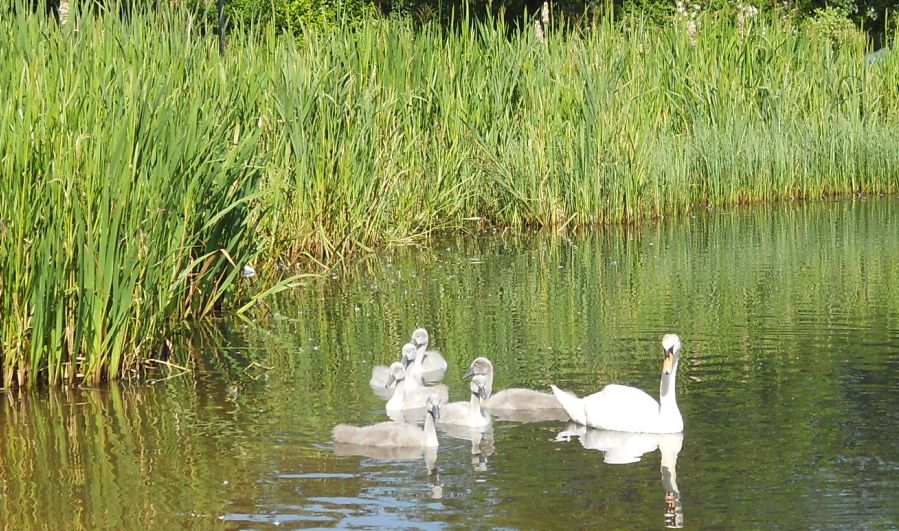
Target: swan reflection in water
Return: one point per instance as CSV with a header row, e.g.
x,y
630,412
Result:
x,y
624,447
397,453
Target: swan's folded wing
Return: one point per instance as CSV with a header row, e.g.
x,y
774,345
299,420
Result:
x,y
622,408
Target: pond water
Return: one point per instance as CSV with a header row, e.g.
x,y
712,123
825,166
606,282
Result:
x,y
789,318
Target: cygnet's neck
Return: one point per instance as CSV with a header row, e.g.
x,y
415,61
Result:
x,y
488,382
430,431
420,357
475,404
398,400
410,382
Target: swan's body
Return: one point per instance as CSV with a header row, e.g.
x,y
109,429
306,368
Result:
x,y
468,413
429,364
622,408
510,402
393,434
405,398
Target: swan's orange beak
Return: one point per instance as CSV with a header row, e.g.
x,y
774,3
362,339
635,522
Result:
x,y
668,361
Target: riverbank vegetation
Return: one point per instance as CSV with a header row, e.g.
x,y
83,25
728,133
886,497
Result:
x,y
141,170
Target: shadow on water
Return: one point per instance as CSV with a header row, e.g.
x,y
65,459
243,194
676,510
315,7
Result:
x,y
786,384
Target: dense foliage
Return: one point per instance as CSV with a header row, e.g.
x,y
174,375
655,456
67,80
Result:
x,y
872,15
142,169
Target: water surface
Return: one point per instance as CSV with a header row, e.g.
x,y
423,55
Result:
x,y
787,384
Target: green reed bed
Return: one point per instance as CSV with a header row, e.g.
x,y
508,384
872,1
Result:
x,y
385,131
140,170
127,172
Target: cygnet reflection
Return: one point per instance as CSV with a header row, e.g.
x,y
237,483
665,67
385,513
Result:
x,y
624,447
396,453
482,442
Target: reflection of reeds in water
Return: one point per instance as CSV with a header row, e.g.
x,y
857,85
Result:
x,y
109,458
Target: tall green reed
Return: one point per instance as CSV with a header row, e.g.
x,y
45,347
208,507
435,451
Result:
x,y
127,165
140,169
385,131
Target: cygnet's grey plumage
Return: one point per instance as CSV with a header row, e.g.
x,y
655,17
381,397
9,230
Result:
x,y
430,365
381,373
378,382
468,413
509,402
393,434
405,398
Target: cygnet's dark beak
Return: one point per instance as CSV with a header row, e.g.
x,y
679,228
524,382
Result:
x,y
390,380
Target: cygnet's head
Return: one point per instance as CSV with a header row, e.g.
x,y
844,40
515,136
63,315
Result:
x,y
671,348
478,386
420,337
395,373
479,366
433,406
409,352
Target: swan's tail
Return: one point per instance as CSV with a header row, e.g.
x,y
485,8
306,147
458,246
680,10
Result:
x,y
572,405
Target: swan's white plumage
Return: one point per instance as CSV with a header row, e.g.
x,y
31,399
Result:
x,y
378,382
622,408
381,373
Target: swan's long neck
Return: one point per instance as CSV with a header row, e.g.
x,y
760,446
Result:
x,y
668,403
410,382
430,431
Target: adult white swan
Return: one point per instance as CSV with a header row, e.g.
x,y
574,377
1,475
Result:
x,y
622,408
